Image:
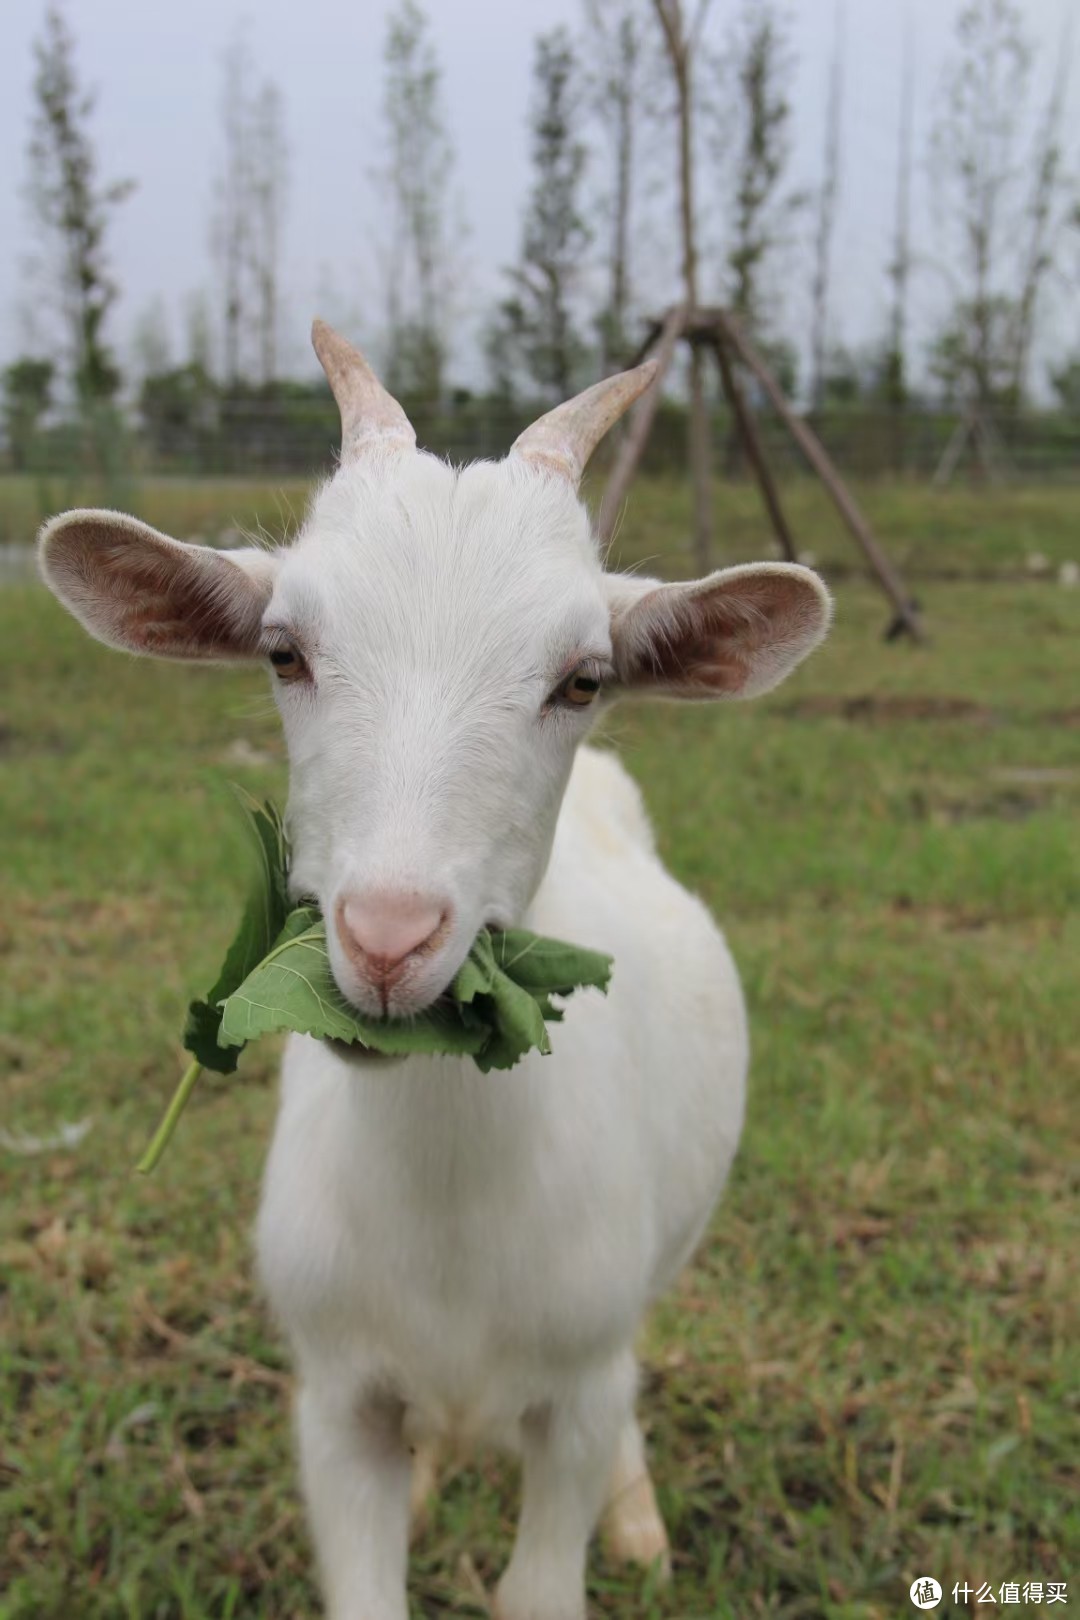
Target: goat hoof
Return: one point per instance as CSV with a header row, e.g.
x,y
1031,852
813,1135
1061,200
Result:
x,y
634,1532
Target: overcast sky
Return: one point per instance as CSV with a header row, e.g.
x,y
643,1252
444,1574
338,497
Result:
x,y
157,71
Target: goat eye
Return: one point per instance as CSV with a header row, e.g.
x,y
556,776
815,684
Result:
x,y
288,664
578,690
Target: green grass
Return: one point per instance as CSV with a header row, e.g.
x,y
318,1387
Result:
x,y
868,1374
964,531
967,530
189,508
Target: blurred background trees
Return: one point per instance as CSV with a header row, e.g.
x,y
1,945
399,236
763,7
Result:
x,y
27,395
650,170
619,60
71,209
1003,200
536,338
420,257
248,217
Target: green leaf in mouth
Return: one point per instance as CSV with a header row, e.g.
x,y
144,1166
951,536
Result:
x,y
263,918
277,976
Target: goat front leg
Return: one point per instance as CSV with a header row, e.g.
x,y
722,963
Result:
x,y
355,1470
568,1451
633,1529
423,1486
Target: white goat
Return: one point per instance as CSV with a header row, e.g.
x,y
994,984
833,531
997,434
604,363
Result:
x,y
459,1256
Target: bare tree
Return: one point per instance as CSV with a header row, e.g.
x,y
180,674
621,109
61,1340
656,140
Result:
x,y
681,42
752,146
894,379
25,397
150,346
537,330
72,209
249,211
617,53
269,171
1042,216
976,154
199,332
415,180
231,228
827,200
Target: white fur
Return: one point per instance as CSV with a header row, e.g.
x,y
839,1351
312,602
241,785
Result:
x,y
456,1255
485,1246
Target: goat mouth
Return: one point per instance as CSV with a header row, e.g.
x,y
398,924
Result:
x,y
361,1053
397,1009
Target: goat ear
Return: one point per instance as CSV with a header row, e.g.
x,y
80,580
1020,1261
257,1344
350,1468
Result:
x,y
136,589
735,634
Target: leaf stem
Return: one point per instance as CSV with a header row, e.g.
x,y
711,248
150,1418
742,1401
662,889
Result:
x,y
164,1131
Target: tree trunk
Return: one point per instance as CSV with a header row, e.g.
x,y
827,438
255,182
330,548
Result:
x,y
700,471
745,429
679,46
640,422
616,335
826,219
816,455
1045,188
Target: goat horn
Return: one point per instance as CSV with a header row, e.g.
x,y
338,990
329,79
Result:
x,y
371,419
564,439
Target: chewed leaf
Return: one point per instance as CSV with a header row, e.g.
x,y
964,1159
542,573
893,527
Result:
x,y
300,921
277,976
262,920
476,975
201,1038
487,1014
541,964
295,989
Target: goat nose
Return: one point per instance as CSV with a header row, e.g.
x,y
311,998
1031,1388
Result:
x,y
379,932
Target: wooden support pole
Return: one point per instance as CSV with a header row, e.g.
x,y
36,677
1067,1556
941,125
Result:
x,y
700,469
952,452
755,450
644,348
640,425
997,454
681,45
816,454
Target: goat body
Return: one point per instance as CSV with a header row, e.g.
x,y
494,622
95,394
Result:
x,y
469,1256
459,1257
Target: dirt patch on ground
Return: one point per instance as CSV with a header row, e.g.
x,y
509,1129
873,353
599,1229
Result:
x,y
1004,805
883,708
14,743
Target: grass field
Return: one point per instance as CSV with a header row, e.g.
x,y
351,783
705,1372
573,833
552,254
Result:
x,y
869,1374
966,530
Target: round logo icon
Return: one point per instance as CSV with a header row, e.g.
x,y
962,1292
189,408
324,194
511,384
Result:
x,y
925,1592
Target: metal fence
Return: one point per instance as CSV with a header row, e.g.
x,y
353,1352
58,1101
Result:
x,y
252,436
